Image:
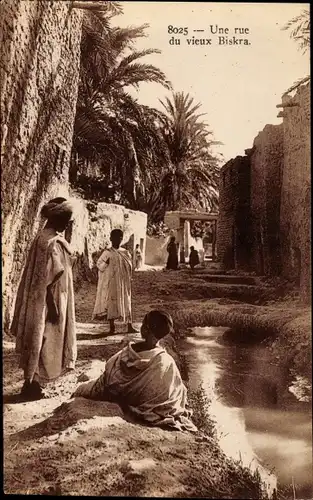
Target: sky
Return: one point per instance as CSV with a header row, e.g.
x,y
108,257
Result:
x,y
238,86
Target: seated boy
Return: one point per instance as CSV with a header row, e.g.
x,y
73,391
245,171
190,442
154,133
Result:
x,y
145,379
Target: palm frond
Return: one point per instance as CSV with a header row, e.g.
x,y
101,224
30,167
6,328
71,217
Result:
x,y
159,160
136,73
299,29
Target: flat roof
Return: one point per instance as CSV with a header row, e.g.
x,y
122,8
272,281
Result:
x,y
192,215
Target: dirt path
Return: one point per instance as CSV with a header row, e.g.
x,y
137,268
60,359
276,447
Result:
x,y
74,446
64,446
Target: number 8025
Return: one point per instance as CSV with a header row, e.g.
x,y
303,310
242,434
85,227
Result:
x,y
173,30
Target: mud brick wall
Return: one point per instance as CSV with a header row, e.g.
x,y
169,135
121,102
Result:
x,y
266,170
296,190
90,233
276,225
40,59
234,223
94,223
226,221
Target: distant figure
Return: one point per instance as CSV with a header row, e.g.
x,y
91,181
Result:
x,y
144,378
113,300
44,316
193,258
138,257
172,260
201,256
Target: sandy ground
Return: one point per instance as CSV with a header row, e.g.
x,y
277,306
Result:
x,y
63,446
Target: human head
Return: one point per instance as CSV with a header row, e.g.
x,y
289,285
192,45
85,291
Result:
x,y
137,246
155,326
116,237
172,239
58,213
192,248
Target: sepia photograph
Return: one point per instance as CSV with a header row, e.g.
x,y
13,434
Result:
x,y
156,249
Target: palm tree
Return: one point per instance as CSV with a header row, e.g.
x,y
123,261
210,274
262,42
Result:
x,y
112,130
299,29
144,158
193,178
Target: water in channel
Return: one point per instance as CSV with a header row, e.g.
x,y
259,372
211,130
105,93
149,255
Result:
x,y
259,418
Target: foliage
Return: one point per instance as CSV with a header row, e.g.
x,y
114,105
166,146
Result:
x,y
299,30
158,230
113,133
98,189
193,180
200,403
199,229
129,150
124,151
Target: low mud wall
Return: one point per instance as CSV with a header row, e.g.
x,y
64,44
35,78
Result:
x,y
90,234
93,223
156,253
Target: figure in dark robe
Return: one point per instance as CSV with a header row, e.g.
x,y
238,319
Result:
x,y
172,260
193,258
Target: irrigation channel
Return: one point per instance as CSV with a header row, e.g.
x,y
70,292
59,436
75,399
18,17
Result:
x,y
259,419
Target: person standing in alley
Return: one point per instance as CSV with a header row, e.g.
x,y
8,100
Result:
x,y
44,315
138,257
172,260
193,258
113,300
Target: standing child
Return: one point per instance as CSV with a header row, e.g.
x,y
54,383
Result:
x,y
138,257
113,300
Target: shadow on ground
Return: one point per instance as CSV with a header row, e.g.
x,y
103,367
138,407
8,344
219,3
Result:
x,y
67,415
13,375
91,336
